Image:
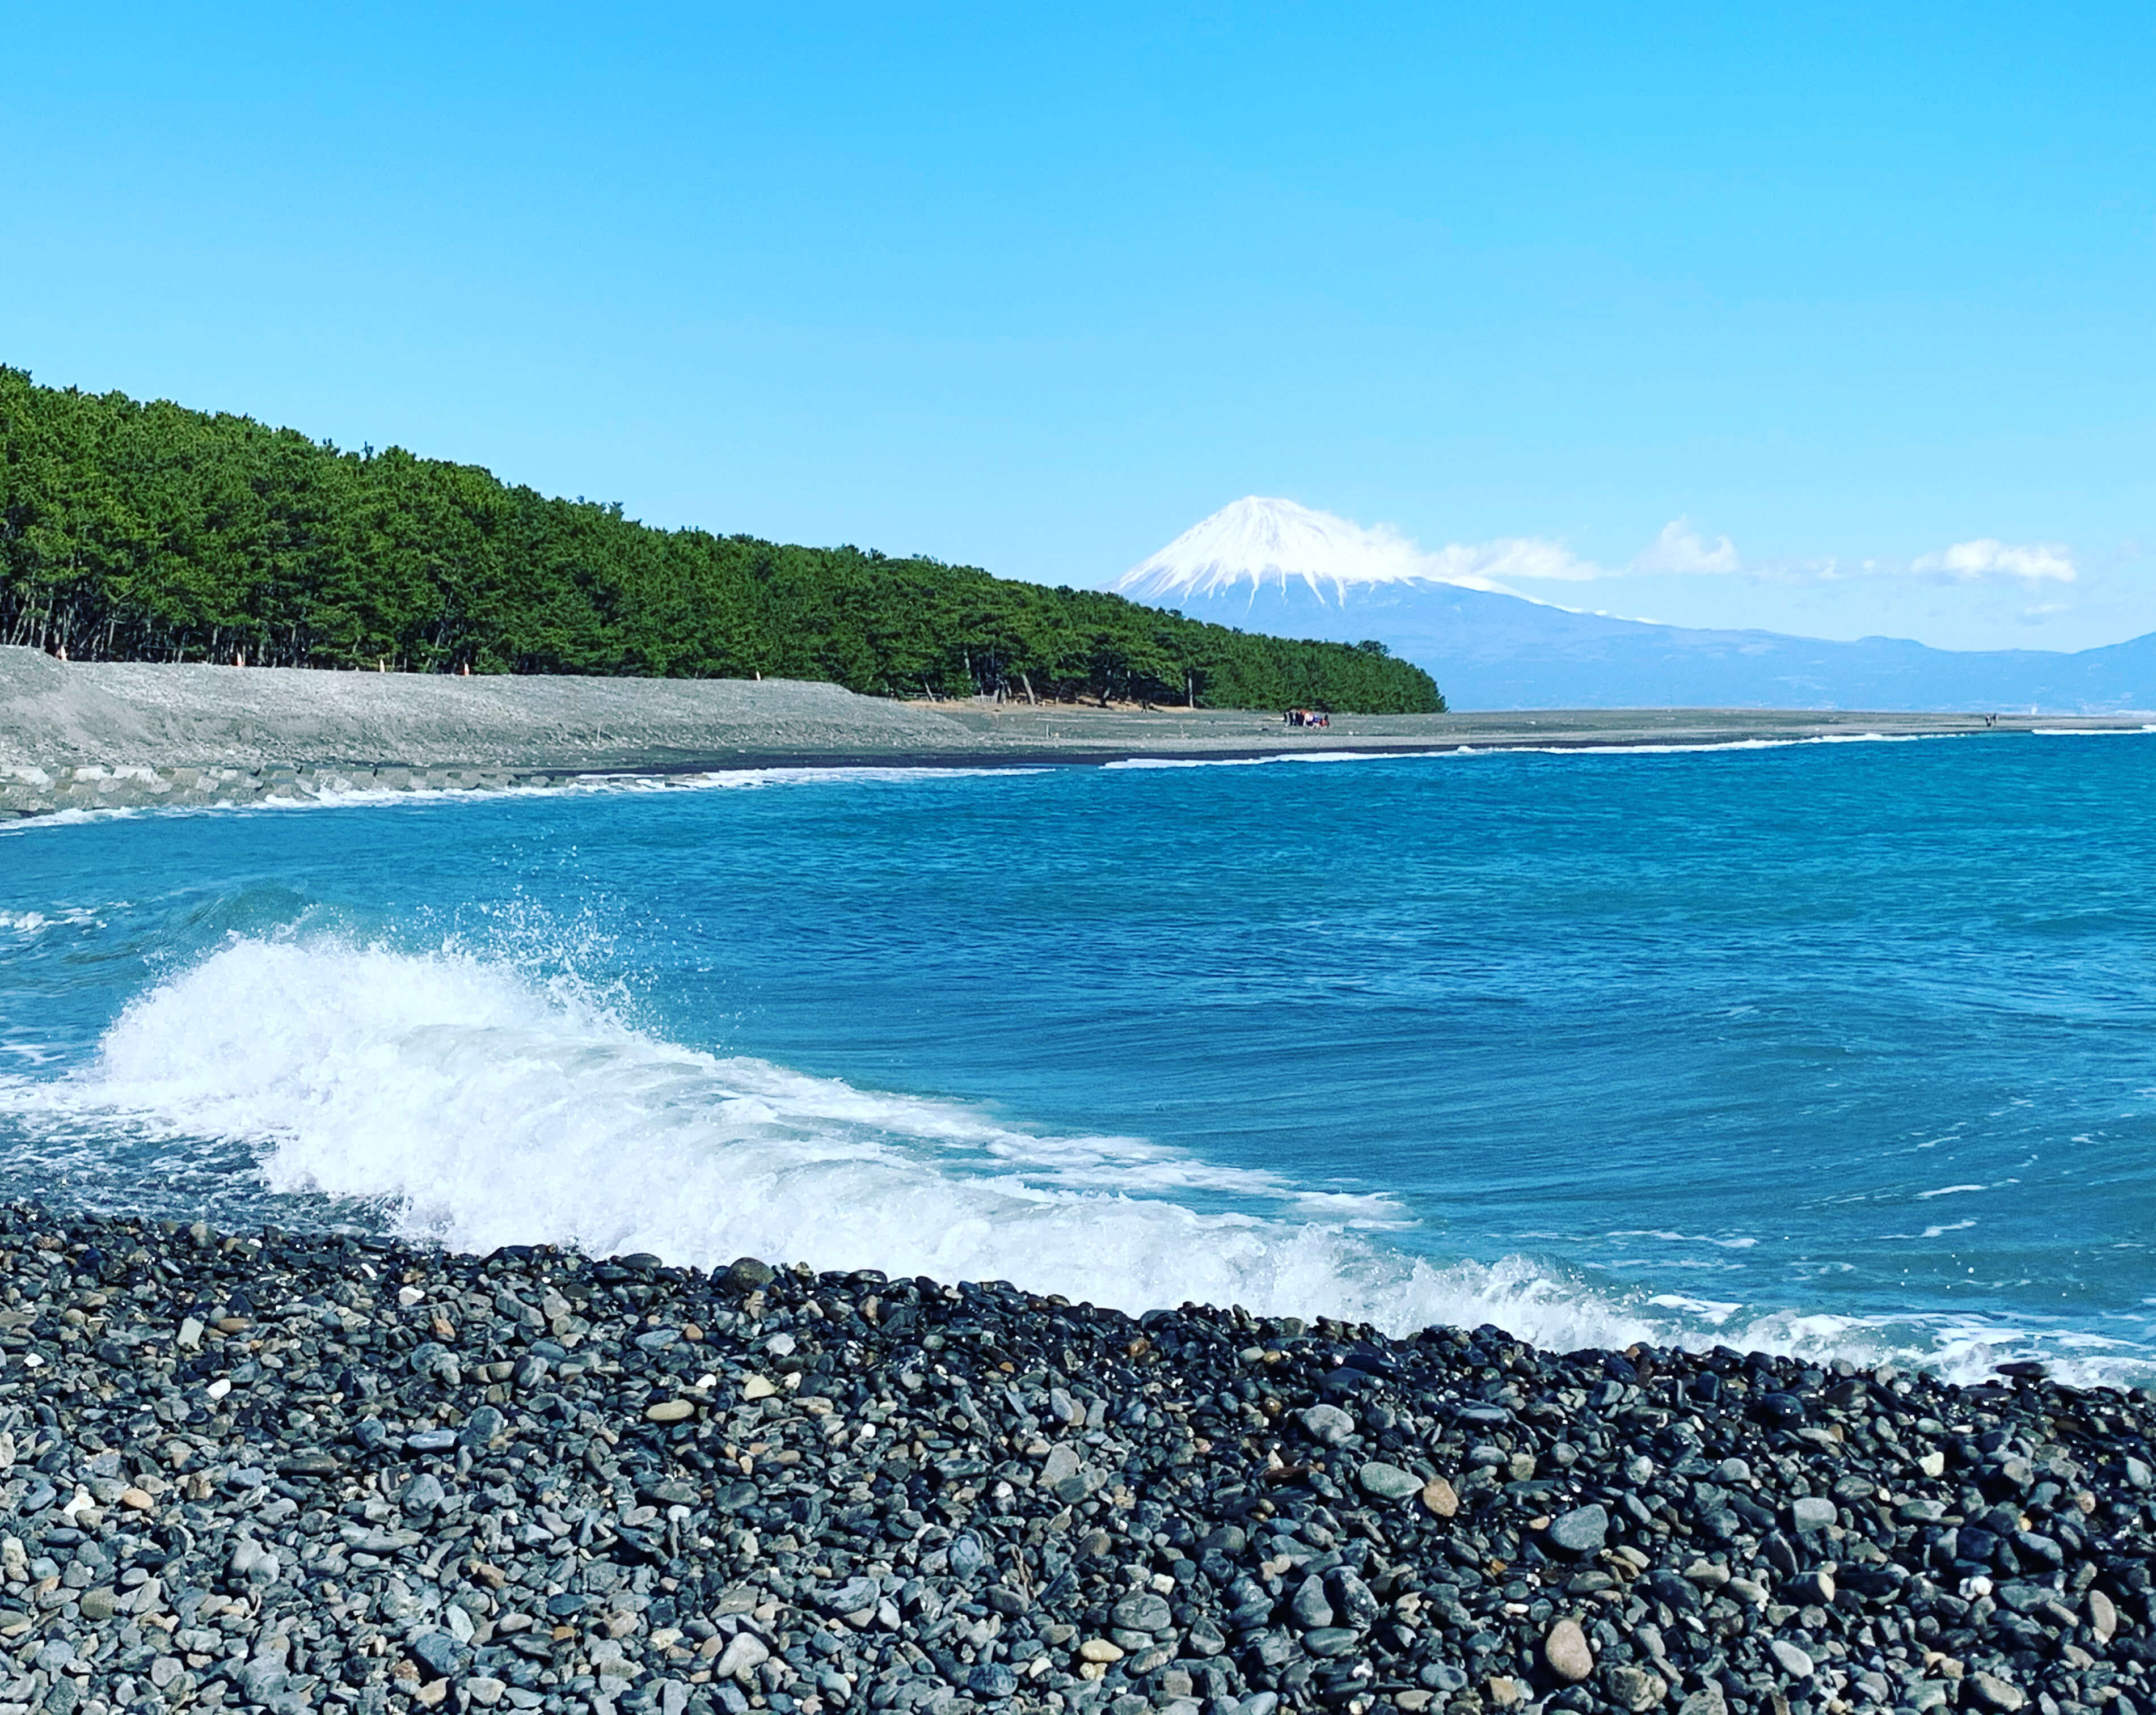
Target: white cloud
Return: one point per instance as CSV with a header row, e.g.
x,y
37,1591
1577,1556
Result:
x,y
1681,548
1257,539
1481,566
1974,562
1678,548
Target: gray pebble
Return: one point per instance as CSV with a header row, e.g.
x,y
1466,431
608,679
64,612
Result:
x,y
848,1487
1582,1530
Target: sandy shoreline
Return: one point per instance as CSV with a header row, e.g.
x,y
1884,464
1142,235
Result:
x,y
127,735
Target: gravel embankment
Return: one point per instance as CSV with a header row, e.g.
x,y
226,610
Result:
x,y
140,714
286,1473
129,735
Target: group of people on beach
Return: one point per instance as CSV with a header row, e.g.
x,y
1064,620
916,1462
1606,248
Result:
x,y
1307,717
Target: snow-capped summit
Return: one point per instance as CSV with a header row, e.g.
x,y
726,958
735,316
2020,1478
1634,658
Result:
x,y
1270,566
1258,541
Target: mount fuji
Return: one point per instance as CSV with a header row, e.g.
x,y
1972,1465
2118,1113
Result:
x,y
1272,566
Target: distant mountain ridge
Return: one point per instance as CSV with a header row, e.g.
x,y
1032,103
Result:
x,y
1271,566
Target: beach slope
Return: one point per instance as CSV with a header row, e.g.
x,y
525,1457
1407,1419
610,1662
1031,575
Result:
x,y
116,735
288,1472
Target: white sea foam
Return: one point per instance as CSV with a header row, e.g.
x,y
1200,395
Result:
x,y
481,1105
1303,756
488,1108
624,780
31,924
1710,747
1743,1243
1582,749
331,796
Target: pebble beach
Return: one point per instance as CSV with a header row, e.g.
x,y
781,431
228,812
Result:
x,y
296,1473
128,735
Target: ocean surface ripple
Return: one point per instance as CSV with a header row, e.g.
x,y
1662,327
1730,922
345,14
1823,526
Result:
x,y
1840,1050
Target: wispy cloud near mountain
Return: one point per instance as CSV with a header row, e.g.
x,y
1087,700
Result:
x,y
1481,618
1972,562
1259,541
1682,549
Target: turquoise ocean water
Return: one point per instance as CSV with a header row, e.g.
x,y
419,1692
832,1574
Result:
x,y
1848,1048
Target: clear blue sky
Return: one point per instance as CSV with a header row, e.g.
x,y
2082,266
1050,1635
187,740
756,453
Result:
x,y
1036,290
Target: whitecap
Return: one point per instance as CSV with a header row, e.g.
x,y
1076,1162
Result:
x,y
478,1104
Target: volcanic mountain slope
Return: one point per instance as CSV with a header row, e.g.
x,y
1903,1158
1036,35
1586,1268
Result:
x,y
1272,566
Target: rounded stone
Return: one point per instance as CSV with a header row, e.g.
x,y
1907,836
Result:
x,y
1791,1660
1387,1483
1812,1588
1565,1650
1440,1499
1309,1605
1636,1689
1145,1612
1992,1692
1327,1424
480,1428
1811,1513
1582,1531
745,1652
670,1410
423,1494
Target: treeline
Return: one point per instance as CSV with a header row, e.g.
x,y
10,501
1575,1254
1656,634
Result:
x,y
133,531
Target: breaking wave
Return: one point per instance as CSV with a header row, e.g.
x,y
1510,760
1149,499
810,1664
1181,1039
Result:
x,y
460,1098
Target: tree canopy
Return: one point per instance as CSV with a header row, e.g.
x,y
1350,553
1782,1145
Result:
x,y
134,531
